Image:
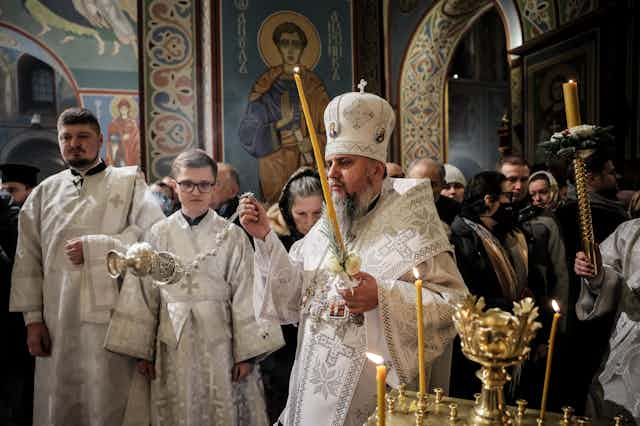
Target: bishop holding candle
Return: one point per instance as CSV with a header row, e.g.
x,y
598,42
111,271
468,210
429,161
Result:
x,y
391,226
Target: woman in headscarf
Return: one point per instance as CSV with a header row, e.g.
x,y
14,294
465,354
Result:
x,y
298,209
544,190
299,206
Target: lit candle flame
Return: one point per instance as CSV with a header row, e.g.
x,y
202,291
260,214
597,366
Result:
x,y
555,306
296,70
416,273
571,80
376,359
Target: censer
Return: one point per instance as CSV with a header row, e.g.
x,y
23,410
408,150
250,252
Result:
x,y
163,267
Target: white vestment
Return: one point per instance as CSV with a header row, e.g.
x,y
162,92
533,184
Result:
x,y
332,382
616,389
80,383
196,329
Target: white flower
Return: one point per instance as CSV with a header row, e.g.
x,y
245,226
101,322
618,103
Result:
x,y
333,265
352,265
584,131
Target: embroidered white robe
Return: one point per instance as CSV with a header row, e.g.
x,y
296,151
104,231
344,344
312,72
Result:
x,y
332,382
81,383
616,388
195,330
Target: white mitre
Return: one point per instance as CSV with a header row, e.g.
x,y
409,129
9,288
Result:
x,y
359,123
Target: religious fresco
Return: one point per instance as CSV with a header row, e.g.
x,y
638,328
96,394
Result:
x,y
273,129
538,17
118,115
265,136
105,31
85,19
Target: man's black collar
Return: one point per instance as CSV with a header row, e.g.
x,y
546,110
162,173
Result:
x,y
92,171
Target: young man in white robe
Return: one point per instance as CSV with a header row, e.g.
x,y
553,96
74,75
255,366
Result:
x,y
392,226
198,336
615,390
60,280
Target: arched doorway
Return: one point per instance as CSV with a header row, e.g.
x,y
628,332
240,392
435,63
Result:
x,y
477,96
423,73
35,147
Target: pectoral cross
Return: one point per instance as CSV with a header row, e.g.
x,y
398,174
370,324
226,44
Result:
x,y
362,85
116,201
189,285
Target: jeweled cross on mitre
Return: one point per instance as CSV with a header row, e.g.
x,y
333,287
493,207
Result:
x,y
362,85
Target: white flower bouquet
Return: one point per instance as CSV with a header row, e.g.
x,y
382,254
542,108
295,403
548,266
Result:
x,y
567,142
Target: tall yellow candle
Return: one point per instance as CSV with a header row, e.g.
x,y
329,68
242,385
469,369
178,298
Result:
x,y
331,212
547,373
421,373
571,104
381,380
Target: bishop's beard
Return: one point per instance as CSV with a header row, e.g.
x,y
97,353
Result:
x,y
351,207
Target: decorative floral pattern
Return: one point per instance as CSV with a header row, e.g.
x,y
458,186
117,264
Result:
x,y
170,113
424,72
325,380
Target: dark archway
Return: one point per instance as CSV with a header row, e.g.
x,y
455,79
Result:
x,y
36,147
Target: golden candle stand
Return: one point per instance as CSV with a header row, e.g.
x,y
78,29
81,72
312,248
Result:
x,y
584,208
496,340
405,408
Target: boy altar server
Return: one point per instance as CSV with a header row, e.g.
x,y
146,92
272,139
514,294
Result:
x,y
199,335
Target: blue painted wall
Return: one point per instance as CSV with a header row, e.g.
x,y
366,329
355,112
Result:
x,y
237,86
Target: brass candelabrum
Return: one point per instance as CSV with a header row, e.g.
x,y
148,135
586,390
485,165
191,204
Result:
x,y
408,408
584,208
496,340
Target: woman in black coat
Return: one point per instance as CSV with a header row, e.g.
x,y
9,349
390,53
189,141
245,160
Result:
x,y
491,254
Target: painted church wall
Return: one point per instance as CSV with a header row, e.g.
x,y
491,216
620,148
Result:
x,y
93,51
255,83
432,27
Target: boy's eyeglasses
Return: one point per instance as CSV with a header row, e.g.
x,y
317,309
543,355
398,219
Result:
x,y
188,186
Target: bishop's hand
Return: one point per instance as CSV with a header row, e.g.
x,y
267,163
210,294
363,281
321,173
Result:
x,y
364,297
253,218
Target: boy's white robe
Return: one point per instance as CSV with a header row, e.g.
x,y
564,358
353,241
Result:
x,y
195,330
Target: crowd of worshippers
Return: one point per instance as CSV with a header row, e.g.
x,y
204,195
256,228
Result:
x,y
238,342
